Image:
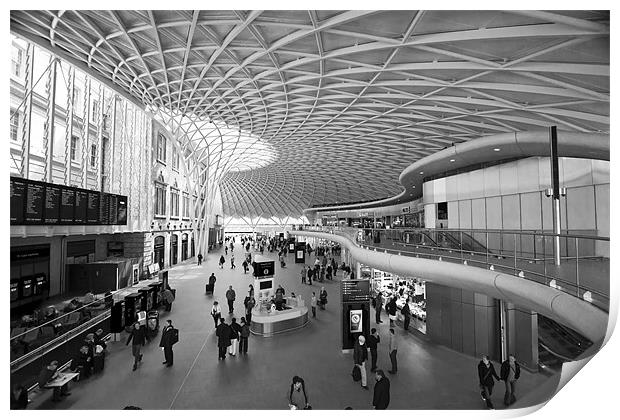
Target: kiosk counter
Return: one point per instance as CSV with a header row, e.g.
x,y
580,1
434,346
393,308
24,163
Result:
x,y
267,321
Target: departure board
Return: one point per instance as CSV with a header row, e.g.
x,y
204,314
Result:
x,y
92,211
355,290
18,201
67,205
81,206
52,204
41,203
34,202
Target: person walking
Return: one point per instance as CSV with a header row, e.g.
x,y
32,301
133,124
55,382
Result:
x,y
232,262
249,302
509,372
393,348
222,261
212,280
360,354
223,333
245,266
137,338
381,397
230,297
486,373
323,297
216,313
226,249
169,336
313,304
310,274
244,334
199,259
297,397
303,275
391,308
406,312
235,329
378,307
373,341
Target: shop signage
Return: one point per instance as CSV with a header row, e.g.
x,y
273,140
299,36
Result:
x,y
406,209
27,253
355,291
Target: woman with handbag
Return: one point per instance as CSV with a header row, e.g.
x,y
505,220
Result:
x,y
297,398
486,373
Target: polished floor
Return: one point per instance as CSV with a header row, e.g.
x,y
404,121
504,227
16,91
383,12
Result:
x,y
429,376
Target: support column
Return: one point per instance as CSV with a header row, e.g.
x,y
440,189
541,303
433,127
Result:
x,y
523,335
26,122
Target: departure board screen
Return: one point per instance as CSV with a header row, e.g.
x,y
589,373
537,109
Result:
x,y
52,204
41,203
67,205
355,290
34,202
18,200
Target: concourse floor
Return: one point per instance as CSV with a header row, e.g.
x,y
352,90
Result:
x,y
429,376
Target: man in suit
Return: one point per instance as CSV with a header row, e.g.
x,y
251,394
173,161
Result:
x,y
166,342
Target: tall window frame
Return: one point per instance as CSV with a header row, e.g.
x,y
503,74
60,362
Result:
x,y
161,148
14,125
17,60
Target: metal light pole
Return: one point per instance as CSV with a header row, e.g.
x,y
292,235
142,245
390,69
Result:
x,y
555,194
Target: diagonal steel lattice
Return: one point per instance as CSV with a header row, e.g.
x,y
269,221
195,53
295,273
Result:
x,y
289,109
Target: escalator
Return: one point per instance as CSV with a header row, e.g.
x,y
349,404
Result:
x,y
558,344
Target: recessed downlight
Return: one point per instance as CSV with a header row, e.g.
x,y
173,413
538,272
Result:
x,y
452,160
497,149
421,172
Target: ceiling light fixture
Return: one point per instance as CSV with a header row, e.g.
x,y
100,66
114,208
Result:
x,y
497,149
452,160
421,172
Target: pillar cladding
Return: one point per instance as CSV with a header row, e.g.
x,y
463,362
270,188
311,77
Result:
x,y
522,326
465,321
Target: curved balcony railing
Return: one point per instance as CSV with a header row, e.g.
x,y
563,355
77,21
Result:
x,y
584,260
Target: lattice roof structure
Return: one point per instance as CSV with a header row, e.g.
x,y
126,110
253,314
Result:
x,y
323,107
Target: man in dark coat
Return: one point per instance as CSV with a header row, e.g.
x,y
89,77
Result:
x,y
212,279
230,297
486,373
373,340
510,371
166,343
223,338
137,337
249,302
378,307
381,397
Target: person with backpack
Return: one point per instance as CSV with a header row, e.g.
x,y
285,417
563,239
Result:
x,y
360,354
169,337
406,312
297,397
222,261
486,373
244,334
510,371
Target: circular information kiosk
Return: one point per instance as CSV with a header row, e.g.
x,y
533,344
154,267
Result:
x,y
274,313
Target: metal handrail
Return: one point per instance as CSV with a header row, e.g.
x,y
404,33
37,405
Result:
x,y
501,231
61,316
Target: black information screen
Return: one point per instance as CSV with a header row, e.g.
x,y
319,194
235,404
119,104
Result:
x,y
355,290
34,202
41,203
18,200
92,211
52,204
81,207
67,205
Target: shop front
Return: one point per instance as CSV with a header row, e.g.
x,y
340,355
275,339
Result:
x,y
174,249
29,274
407,290
159,248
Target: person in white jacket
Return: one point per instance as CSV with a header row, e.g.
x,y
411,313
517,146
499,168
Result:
x,y
216,313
